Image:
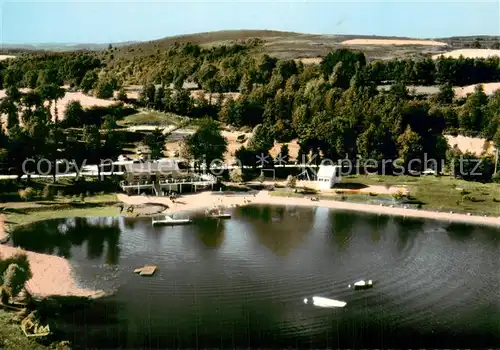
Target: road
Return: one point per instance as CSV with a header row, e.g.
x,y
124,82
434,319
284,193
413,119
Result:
x,y
91,170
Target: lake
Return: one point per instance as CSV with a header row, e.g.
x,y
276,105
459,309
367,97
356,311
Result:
x,y
241,282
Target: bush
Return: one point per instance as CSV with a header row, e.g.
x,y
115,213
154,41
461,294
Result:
x,y
14,279
28,194
291,181
48,192
496,177
14,272
236,175
399,195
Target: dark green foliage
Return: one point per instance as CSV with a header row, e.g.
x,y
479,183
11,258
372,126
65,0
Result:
x,y
22,265
156,143
207,144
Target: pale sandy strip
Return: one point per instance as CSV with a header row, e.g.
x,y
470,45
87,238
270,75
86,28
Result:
x,y
52,275
205,200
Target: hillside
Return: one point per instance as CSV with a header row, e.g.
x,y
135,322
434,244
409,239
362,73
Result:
x,y
285,45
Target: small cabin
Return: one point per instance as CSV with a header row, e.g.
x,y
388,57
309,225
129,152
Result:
x,y
327,176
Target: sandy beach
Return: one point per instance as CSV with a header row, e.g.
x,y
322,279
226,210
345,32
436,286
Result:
x,y
206,200
52,275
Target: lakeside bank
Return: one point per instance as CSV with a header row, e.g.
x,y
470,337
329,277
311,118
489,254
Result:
x,y
53,275
207,200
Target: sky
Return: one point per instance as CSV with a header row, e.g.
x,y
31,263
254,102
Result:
x,y
70,21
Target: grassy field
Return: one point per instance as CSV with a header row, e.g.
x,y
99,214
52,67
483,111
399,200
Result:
x,y
432,193
442,193
22,213
152,118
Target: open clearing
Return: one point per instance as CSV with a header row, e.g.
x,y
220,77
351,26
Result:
x,y
489,89
151,118
393,42
309,60
475,145
85,100
6,57
469,53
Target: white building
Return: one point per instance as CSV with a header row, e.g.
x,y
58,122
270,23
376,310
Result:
x,y
328,175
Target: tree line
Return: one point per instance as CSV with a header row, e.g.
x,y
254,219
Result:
x,y
334,109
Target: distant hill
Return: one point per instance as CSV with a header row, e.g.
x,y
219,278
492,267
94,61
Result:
x,y
286,45
59,47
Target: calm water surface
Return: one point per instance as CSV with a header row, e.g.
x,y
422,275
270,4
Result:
x,y
241,282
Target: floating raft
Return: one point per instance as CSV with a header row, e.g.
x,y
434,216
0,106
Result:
x,y
325,302
147,270
168,220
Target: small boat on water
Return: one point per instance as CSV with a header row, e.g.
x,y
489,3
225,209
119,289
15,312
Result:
x,y
169,221
362,284
218,214
325,302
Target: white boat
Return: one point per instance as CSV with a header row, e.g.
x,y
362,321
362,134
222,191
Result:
x,y
362,284
325,302
218,214
168,220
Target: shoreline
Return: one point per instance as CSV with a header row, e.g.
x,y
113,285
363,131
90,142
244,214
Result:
x,y
54,276
207,200
51,275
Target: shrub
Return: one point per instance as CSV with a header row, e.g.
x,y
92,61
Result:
x,y
236,175
399,195
48,192
14,279
291,181
28,194
496,177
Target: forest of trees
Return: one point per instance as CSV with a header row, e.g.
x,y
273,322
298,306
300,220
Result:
x,y
333,109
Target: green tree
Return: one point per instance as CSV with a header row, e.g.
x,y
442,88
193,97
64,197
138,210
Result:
x,y
91,137
284,154
122,95
88,81
262,139
207,143
105,88
74,114
474,116
410,146
14,279
156,143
